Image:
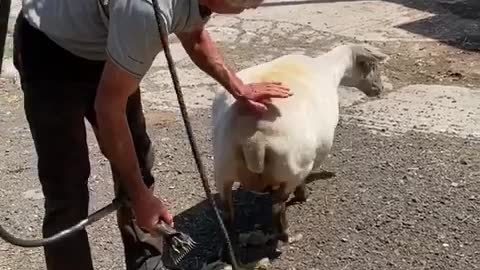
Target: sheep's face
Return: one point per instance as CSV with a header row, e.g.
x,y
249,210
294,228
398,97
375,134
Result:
x,y
365,74
368,78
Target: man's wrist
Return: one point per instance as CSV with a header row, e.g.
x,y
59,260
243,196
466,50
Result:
x,y
236,87
137,191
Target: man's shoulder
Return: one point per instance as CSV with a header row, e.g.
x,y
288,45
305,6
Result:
x,y
180,15
189,14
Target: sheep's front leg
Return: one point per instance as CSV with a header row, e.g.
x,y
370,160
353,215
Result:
x,y
229,211
228,219
301,193
280,224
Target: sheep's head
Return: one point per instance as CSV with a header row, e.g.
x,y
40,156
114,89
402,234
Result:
x,y
365,74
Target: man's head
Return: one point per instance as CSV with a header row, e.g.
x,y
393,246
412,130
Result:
x,y
230,6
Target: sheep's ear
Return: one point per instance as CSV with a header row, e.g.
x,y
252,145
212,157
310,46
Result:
x,y
368,54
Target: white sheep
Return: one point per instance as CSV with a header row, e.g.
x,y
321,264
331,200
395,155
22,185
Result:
x,y
276,152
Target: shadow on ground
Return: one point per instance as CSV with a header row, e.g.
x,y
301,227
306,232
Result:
x,y
201,224
253,211
453,22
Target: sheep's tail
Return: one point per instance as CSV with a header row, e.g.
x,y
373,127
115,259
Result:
x,y
254,153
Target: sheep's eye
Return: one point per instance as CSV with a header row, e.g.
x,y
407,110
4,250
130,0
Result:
x,y
364,67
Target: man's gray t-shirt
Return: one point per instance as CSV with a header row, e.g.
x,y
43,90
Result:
x,y
129,35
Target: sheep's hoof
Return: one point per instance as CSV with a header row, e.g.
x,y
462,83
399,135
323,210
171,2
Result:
x,y
284,237
287,240
300,195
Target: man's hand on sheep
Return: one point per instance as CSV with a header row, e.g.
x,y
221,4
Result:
x,y
257,95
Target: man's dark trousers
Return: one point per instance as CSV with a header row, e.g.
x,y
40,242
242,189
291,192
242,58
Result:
x,y
59,91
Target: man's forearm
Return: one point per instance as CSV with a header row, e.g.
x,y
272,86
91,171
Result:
x,y
117,145
206,56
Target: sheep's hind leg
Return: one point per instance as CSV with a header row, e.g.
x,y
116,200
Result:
x,y
280,224
228,208
229,220
301,193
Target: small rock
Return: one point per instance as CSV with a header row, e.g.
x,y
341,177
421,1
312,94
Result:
x,y
445,245
295,238
263,264
454,184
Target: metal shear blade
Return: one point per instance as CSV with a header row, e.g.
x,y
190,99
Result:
x,y
180,244
167,240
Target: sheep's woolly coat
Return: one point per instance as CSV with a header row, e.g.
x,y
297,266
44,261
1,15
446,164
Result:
x,y
293,137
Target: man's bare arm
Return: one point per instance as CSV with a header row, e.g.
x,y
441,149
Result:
x,y
115,138
204,53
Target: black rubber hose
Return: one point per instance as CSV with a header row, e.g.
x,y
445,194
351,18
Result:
x,y
4,16
28,243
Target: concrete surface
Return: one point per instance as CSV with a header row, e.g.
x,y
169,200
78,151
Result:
x,y
406,190
424,108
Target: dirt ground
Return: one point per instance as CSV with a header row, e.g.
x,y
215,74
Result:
x,y
403,202
431,63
